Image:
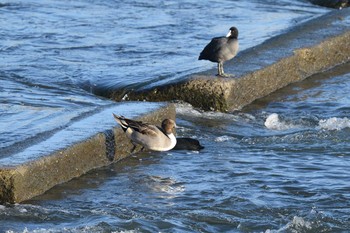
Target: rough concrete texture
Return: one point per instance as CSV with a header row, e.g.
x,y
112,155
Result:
x,y
309,48
24,181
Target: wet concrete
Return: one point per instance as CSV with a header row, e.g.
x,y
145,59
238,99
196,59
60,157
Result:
x,y
91,142
96,141
307,49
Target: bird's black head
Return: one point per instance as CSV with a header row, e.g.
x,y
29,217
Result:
x,y
233,33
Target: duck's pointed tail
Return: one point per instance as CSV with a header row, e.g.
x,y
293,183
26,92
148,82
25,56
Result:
x,y
121,121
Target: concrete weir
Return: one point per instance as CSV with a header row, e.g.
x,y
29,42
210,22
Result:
x,y
309,48
91,142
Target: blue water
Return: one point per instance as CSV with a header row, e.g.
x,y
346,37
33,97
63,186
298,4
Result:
x,y
57,54
278,165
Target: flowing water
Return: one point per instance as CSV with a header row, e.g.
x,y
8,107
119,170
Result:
x,y
279,165
55,55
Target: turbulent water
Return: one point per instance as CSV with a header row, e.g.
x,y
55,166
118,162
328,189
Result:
x,y
279,165
56,54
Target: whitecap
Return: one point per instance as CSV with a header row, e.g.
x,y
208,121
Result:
x,y
186,109
223,138
274,122
166,185
298,224
334,123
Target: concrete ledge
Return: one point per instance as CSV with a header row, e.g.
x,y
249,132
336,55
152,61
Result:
x,y
34,176
310,48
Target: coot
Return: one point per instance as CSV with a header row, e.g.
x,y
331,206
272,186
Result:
x,y
221,49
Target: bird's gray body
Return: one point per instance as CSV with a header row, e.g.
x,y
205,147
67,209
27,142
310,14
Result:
x,y
221,49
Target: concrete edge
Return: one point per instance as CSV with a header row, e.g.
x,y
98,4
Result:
x,y
31,179
229,94
304,63
307,49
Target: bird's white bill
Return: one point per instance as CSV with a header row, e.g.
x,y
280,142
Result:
x,y
228,34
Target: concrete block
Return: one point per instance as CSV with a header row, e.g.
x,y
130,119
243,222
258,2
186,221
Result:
x,y
32,172
307,49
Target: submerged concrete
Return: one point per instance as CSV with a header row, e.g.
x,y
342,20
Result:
x,y
309,48
92,142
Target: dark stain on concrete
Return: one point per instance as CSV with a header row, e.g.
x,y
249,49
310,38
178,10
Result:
x,y
110,144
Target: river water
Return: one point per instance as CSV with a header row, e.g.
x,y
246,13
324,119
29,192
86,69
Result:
x,y
278,165
55,55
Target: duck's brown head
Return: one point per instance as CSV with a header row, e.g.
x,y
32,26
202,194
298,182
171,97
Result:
x,y
168,125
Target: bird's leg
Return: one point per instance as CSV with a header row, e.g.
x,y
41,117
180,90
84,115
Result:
x,y
219,70
222,70
223,73
133,148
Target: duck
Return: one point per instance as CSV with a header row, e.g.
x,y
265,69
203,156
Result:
x,y
221,49
149,136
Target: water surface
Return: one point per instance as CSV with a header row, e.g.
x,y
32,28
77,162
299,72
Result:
x,y
279,165
57,54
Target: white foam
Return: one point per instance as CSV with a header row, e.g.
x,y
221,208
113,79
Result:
x,y
23,210
126,231
75,229
166,185
275,123
41,230
298,224
334,123
188,110
223,138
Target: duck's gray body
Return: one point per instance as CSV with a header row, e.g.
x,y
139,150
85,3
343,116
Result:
x,y
149,136
221,49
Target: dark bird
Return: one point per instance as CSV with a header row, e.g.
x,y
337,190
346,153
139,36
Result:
x,y
188,144
221,49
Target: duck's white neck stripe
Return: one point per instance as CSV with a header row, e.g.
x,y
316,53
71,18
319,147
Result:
x,y
173,140
171,146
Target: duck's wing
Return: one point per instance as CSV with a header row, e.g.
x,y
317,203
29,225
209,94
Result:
x,y
138,126
149,130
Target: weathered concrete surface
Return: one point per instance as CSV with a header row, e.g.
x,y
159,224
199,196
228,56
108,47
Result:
x,y
36,175
310,48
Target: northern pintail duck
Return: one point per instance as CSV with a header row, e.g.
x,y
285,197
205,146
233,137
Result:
x,y
221,49
151,137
